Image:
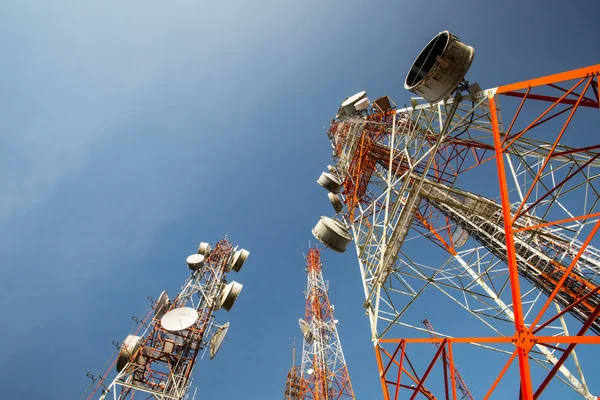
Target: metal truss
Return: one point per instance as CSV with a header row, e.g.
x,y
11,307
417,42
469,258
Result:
x,y
295,386
323,369
513,208
162,366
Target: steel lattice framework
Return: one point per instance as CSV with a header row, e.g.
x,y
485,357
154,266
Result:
x,y
459,382
510,197
324,369
162,366
295,385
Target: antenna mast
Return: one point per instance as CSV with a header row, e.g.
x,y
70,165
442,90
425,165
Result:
x,y
160,361
448,362
295,385
512,204
323,364
294,353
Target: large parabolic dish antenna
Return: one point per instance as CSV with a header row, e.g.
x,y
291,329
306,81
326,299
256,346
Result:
x,y
179,319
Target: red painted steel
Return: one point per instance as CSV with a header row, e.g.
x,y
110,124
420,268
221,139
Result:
x,y
581,91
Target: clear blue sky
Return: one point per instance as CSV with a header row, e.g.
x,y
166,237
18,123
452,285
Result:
x,y
132,130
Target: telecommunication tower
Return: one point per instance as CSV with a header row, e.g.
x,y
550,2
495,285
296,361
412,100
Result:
x,y
324,368
295,385
460,384
510,196
158,358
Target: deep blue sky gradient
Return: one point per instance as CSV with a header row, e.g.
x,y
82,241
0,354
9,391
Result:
x,y
132,130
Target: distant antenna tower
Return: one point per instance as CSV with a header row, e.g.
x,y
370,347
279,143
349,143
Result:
x,y
295,386
323,365
158,363
455,376
511,197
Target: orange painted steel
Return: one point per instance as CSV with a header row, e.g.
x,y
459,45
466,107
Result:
x,y
518,213
454,376
363,163
525,335
536,122
501,374
403,369
521,329
562,221
456,379
296,386
369,152
559,284
326,383
593,70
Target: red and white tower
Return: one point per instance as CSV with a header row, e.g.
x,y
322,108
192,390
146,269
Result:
x,y
488,213
295,385
157,359
459,384
324,368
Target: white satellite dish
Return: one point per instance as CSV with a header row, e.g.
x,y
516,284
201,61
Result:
x,y
335,321
162,304
310,371
230,294
179,319
195,261
217,340
238,259
306,333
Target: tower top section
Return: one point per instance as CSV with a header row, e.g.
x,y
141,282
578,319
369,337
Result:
x,y
313,261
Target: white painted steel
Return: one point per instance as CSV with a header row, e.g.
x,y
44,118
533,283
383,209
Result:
x,y
394,278
202,290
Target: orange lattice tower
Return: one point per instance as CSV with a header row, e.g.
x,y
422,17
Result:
x,y
508,196
295,385
459,384
323,365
